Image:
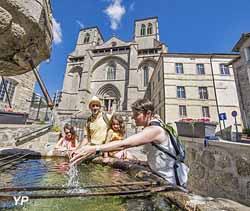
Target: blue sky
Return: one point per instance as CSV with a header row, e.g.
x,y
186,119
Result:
x,y
197,26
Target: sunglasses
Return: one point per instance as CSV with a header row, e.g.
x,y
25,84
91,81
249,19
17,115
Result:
x,y
67,132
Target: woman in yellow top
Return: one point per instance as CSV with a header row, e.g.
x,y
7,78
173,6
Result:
x,y
116,132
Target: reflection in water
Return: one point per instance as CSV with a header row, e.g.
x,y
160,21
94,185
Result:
x,y
57,172
62,167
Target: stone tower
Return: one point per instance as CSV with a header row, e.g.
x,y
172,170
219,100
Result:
x,y
146,33
76,80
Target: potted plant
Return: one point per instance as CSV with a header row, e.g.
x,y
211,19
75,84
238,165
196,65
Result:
x,y
197,128
246,132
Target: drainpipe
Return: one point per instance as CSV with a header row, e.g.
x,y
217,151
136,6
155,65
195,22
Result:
x,y
215,93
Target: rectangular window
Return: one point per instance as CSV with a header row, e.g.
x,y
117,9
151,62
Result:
x,y
179,68
247,54
205,111
203,93
181,92
200,69
159,75
224,69
182,111
10,86
159,97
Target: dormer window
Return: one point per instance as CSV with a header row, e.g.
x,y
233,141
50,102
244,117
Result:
x,y
150,29
143,30
86,38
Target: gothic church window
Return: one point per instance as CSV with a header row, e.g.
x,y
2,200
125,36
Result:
x,y
146,75
150,29
111,73
143,30
86,38
10,87
80,79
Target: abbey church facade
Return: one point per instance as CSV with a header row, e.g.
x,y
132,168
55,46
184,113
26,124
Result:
x,y
116,71
181,85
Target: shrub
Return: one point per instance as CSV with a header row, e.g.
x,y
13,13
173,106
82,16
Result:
x,y
56,128
42,122
246,131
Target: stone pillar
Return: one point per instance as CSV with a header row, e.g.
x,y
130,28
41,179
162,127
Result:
x,y
132,75
84,91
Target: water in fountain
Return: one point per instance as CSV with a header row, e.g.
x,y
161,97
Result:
x,y
73,180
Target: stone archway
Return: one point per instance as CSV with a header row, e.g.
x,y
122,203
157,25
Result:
x,y
110,96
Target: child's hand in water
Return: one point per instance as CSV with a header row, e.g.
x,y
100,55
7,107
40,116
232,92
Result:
x,y
82,153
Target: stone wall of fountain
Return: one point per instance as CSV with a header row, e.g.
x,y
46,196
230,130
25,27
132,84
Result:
x,y
222,169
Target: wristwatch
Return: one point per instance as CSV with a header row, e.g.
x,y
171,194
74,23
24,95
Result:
x,y
97,150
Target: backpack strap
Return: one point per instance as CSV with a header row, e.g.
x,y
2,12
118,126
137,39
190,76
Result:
x,y
88,127
105,118
161,124
164,150
171,135
158,123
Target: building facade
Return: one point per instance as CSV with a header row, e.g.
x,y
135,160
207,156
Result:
x,y
116,71
197,86
20,90
241,67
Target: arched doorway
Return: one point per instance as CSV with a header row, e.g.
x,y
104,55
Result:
x,y
110,96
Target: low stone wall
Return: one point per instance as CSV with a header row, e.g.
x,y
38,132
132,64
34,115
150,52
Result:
x,y
222,169
9,133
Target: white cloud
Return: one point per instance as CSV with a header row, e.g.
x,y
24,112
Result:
x,y
115,11
132,6
80,23
57,31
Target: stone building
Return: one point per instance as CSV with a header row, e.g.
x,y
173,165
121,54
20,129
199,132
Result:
x,y
191,85
118,72
20,90
241,67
